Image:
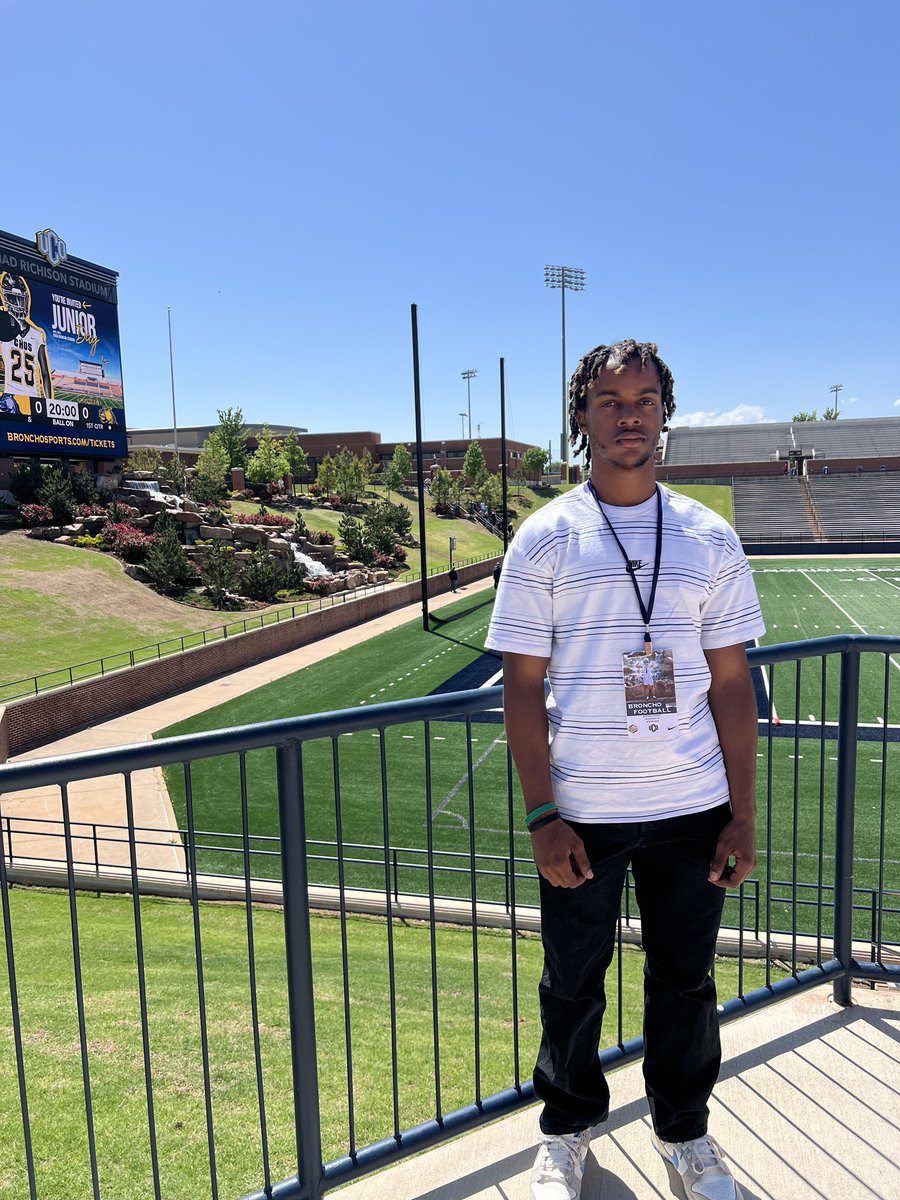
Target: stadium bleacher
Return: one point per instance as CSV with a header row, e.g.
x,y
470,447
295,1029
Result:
x,y
865,437
771,509
857,506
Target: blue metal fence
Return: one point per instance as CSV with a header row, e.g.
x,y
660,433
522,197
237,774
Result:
x,y
834,910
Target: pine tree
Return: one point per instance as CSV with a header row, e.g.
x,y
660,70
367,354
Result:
x,y
167,564
56,492
219,571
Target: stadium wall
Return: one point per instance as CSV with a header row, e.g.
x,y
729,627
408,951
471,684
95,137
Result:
x,y
724,472
27,724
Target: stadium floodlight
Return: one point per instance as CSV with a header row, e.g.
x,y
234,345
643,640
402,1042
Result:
x,y
468,376
837,388
566,279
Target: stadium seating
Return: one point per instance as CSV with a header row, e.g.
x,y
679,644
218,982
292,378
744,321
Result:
x,y
771,510
868,437
862,506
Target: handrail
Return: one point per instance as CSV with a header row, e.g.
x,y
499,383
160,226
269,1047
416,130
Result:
x,y
837,957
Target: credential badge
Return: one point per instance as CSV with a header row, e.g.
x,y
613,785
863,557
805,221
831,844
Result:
x,y
52,246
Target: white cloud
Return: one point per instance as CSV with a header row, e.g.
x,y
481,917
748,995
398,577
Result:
x,y
852,400
742,414
897,404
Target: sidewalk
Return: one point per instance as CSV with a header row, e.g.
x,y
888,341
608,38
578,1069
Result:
x,y
102,801
807,1108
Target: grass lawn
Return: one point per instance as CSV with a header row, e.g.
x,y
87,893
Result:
x,y
43,952
60,606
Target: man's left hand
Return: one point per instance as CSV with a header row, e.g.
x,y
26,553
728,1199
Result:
x,y
738,841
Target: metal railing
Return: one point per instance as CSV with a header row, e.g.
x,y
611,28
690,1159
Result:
x,y
836,905
33,685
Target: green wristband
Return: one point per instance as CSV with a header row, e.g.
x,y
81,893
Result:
x,y
537,813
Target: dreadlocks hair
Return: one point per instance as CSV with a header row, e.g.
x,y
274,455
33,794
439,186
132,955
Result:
x,y
613,358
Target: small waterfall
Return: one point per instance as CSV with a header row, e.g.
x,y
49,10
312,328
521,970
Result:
x,y
313,567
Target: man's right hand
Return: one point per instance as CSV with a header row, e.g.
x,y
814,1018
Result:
x,y
560,856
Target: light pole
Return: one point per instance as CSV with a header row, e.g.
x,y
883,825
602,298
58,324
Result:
x,y
172,378
573,279
468,376
463,415
837,388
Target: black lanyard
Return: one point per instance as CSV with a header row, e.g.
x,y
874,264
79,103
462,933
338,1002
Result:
x,y
631,568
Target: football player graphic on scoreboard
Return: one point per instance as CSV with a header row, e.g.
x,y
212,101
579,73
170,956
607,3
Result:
x,y
24,363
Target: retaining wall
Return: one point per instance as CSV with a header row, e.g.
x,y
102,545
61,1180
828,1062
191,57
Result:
x,y
36,720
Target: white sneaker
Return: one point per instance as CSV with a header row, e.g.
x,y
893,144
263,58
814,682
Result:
x,y
559,1166
702,1168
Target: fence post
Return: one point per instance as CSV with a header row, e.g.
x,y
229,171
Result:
x,y
844,821
295,885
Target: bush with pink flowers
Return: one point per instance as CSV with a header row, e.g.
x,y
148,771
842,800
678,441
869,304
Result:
x,y
35,515
126,541
278,520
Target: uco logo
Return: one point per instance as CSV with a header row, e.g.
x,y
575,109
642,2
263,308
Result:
x,y
51,246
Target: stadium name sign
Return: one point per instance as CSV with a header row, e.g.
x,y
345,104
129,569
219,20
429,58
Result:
x,y
60,362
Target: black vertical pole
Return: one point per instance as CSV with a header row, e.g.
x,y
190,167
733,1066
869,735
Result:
x,y
503,467
420,470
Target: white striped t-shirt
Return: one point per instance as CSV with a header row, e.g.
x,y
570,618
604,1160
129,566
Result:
x,y
565,595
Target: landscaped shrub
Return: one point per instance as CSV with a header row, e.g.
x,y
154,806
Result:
x,y
315,489
317,586
90,510
167,564
276,520
441,508
118,511
83,487
35,515
56,492
127,542
262,576
400,553
219,571
321,537
26,482
92,542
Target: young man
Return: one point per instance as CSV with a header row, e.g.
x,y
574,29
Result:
x,y
615,572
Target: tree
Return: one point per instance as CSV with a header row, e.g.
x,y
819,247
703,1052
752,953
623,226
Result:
x,y
534,461
144,458
474,468
441,483
297,458
208,484
327,475
175,475
352,475
830,414
490,490
355,540
806,416
167,564
27,481
219,572
262,576
232,436
269,461
56,492
518,480
401,467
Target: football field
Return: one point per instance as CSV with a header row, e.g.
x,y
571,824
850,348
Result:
x,y
449,783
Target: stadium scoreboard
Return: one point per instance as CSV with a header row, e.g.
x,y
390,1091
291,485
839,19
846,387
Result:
x,y
60,362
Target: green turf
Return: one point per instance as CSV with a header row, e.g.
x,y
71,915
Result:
x,y
408,663
47,1004
714,496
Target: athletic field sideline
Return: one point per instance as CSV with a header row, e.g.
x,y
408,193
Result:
x,y
801,599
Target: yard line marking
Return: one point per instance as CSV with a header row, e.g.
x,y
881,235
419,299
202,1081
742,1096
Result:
x,y
812,717
408,737
461,781
847,615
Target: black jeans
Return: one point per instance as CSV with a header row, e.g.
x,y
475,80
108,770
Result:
x,y
680,914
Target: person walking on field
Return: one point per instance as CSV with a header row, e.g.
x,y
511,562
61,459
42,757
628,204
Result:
x,y
617,571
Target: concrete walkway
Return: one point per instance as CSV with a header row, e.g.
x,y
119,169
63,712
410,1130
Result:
x,y
807,1108
101,802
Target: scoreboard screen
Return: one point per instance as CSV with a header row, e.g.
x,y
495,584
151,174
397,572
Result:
x,y
60,364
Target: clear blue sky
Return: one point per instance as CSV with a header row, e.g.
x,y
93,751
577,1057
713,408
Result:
x,y
289,177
